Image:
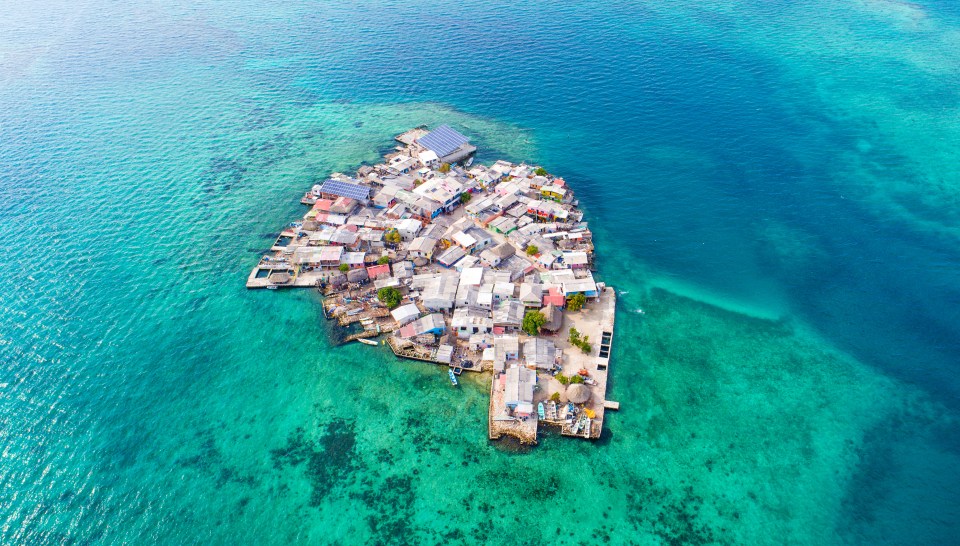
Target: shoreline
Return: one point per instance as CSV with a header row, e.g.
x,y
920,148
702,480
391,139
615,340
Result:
x,y
462,266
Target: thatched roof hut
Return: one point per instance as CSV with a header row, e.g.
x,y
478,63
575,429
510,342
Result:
x,y
357,275
578,393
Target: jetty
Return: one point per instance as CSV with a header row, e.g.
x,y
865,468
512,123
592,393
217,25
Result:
x,y
475,268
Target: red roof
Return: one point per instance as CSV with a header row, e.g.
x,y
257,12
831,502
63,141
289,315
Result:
x,y
377,271
498,330
323,204
559,182
554,297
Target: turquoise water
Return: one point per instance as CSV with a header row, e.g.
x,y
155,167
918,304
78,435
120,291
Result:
x,y
774,183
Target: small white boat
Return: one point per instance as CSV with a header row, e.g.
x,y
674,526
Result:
x,y
272,287
368,342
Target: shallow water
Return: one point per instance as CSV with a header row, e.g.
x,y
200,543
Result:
x,y
772,183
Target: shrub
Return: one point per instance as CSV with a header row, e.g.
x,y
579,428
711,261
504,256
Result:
x,y
576,379
444,168
344,268
465,197
576,302
555,397
383,260
532,322
540,171
586,347
564,380
532,250
574,336
389,296
392,236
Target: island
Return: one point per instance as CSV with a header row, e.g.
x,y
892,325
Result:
x,y
483,269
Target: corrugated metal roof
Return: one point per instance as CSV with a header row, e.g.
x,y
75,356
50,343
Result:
x,y
346,189
443,140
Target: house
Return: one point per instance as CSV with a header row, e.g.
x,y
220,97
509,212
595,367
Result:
x,y
440,292
429,159
464,240
378,271
540,353
408,228
472,276
494,256
444,354
467,322
403,270
479,342
508,315
466,263
402,164
554,297
422,247
554,193
353,259
483,239
449,145
503,291
518,390
429,324
451,256
468,296
585,286
531,295
576,260
505,348
405,313
485,296
445,191
386,197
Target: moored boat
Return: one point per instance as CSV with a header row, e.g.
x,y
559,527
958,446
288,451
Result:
x,y
453,378
540,413
368,342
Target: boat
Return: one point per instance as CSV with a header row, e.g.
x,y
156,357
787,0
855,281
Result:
x,y
540,412
586,427
453,378
368,342
272,287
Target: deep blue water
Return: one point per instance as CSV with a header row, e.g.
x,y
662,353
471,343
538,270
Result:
x,y
795,161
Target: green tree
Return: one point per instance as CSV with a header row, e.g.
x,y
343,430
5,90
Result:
x,y
532,322
540,171
555,397
586,347
576,302
564,380
532,250
444,168
574,336
465,197
392,236
344,268
383,260
389,296
576,379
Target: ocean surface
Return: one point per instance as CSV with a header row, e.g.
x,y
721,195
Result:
x,y
776,184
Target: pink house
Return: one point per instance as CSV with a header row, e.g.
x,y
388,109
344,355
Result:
x,y
378,271
554,297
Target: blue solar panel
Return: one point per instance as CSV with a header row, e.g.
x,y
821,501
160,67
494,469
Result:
x,y
443,140
345,189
